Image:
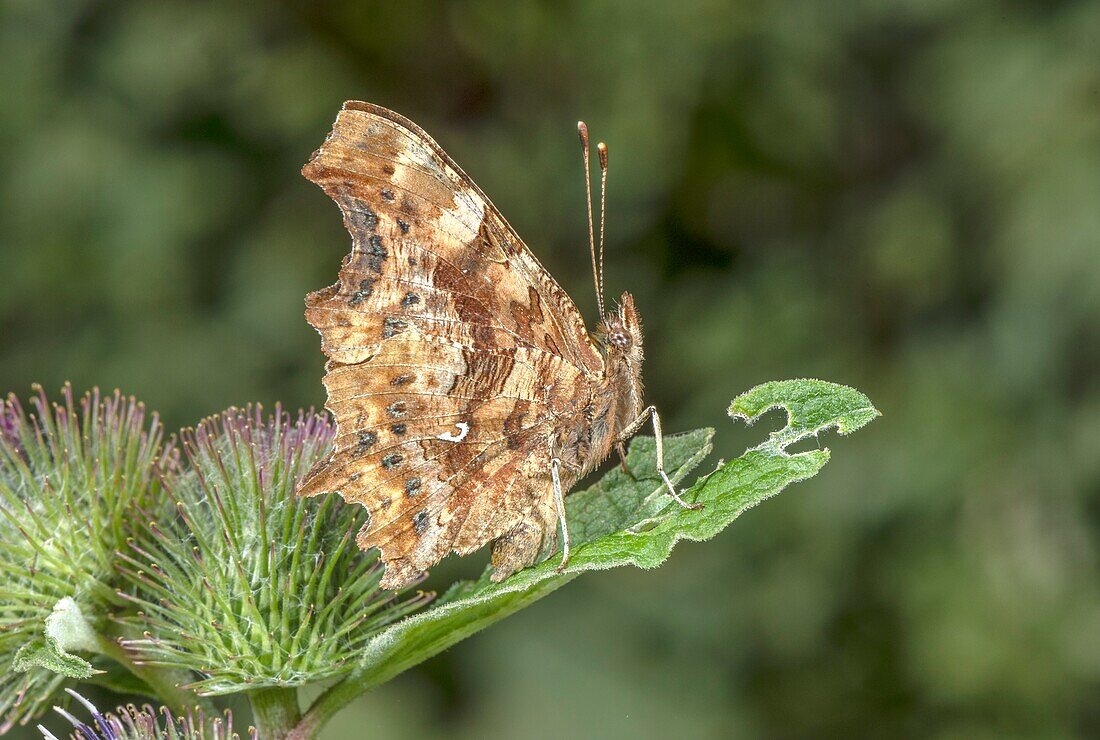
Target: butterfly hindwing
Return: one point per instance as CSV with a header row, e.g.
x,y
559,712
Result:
x,y
438,440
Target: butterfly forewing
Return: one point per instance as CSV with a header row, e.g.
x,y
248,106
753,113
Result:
x,y
418,223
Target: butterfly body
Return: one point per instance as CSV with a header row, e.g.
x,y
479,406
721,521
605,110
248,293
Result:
x,y
467,391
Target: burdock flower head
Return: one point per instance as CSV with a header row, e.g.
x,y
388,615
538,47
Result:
x,y
129,722
72,478
251,586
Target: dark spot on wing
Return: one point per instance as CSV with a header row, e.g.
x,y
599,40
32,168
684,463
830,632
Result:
x,y
392,327
398,428
366,287
420,522
412,486
366,441
403,225
397,409
391,460
387,195
376,253
359,217
410,299
402,379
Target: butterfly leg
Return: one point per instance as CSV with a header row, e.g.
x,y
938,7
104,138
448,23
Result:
x,y
651,413
559,504
622,460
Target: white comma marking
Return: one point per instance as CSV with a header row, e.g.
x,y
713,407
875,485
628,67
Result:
x,y
463,429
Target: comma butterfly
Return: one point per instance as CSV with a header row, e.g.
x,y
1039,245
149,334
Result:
x,y
468,394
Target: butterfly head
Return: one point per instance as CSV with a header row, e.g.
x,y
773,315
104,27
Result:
x,y
621,331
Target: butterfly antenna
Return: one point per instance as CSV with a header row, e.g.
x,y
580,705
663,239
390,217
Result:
x,y
601,148
582,131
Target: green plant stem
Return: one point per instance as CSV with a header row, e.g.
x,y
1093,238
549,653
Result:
x,y
275,711
166,683
329,703
350,688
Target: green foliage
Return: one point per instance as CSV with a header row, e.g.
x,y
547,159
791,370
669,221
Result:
x,y
812,406
250,585
65,629
45,653
72,479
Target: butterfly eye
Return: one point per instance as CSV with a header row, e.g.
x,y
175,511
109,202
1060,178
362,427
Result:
x,y
619,339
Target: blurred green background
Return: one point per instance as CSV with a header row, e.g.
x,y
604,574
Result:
x,y
901,196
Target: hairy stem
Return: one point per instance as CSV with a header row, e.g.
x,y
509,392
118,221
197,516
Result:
x,y
276,712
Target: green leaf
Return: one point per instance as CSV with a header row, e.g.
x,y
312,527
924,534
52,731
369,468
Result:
x,y
66,629
812,406
44,652
620,521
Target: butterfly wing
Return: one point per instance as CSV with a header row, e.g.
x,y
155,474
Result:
x,y
453,355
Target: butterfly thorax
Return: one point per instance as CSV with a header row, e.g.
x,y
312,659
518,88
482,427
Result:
x,y
618,400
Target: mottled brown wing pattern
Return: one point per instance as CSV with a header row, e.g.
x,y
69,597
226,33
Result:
x,y
454,356
445,445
